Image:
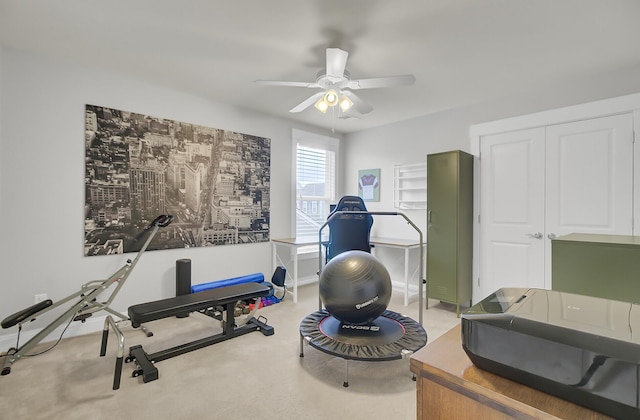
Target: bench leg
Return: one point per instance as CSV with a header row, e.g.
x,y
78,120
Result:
x,y
146,368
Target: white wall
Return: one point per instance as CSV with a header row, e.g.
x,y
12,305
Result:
x,y
42,183
42,170
402,143
411,140
1,95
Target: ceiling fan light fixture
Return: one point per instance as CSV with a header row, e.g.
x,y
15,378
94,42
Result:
x,y
331,97
335,83
345,103
322,105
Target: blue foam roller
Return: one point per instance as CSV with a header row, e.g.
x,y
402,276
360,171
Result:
x,y
249,278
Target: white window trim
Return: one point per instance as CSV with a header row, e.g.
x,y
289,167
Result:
x,y
317,141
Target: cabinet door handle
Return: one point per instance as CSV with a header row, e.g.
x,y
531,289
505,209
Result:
x,y
537,235
552,236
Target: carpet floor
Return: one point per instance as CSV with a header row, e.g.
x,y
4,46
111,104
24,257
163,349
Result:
x,y
252,376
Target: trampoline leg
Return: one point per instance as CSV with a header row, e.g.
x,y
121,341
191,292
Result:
x,y
346,374
301,343
303,340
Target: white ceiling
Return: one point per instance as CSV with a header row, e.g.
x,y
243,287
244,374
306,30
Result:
x,y
461,51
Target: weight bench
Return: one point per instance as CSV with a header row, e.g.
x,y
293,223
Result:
x,y
218,303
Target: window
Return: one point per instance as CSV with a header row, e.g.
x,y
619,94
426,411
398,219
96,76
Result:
x,y
316,179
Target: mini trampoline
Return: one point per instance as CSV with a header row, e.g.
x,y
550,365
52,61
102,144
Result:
x,y
390,336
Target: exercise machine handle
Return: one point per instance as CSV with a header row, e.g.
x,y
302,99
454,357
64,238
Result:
x,y
25,314
163,220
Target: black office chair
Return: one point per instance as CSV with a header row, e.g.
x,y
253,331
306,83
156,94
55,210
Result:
x,y
349,231
278,279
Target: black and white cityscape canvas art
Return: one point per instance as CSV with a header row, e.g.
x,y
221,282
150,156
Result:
x,y
214,182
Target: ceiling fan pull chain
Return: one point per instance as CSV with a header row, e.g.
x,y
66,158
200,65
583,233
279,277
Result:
x,y
333,119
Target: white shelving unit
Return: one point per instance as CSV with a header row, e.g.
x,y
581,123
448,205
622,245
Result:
x,y
410,186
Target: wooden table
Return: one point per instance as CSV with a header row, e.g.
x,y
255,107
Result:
x,y
449,386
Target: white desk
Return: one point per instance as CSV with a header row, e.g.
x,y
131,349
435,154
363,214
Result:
x,y
407,245
290,262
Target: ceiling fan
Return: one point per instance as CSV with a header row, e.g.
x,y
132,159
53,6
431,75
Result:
x,y
336,86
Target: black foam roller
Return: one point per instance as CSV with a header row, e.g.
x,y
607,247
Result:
x,y
183,279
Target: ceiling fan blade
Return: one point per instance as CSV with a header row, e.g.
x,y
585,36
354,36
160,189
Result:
x,y
381,82
348,116
336,62
307,102
359,105
285,83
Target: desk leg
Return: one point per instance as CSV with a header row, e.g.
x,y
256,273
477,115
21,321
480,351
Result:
x,y
406,276
277,260
295,274
274,256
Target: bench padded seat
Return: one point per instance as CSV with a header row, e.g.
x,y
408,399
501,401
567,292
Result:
x,y
182,305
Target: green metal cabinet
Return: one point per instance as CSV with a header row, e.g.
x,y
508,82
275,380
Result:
x,y
606,266
450,227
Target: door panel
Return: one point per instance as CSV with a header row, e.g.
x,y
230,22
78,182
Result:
x,y
589,170
565,178
510,262
511,211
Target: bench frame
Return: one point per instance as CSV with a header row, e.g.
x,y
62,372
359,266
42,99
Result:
x,y
218,303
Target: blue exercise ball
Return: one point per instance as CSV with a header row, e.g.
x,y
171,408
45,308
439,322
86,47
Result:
x,y
355,287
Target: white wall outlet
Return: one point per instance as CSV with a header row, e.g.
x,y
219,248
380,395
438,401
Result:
x,y
40,297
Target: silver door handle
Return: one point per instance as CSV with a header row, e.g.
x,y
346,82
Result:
x,y
552,236
535,235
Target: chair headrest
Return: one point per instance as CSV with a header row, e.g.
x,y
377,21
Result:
x,y
351,203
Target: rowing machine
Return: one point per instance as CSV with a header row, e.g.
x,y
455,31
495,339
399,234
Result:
x,y
85,299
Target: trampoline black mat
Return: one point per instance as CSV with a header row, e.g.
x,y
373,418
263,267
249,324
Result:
x,y
384,339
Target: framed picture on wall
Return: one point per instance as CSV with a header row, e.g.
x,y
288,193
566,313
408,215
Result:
x,y
215,182
369,184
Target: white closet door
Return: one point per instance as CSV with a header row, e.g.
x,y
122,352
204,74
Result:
x,y
512,210
545,182
589,170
